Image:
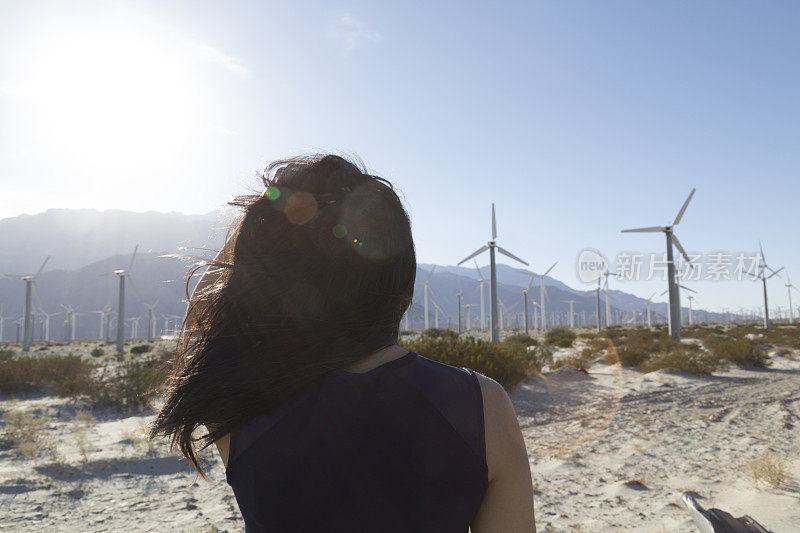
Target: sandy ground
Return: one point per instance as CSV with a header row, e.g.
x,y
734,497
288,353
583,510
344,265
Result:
x,y
609,450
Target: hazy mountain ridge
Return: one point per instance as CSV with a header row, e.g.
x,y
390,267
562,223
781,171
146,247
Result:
x,y
75,238
101,241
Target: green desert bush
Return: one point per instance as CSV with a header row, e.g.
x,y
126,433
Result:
x,y
683,359
439,333
741,351
97,352
506,363
6,355
139,349
636,346
560,336
521,338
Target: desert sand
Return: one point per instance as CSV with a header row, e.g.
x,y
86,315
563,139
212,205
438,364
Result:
x,y
610,450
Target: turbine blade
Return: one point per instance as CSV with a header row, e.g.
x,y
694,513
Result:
x,y
512,256
531,283
133,257
683,209
761,249
651,229
476,253
36,295
41,267
677,244
663,293
15,276
133,287
775,273
494,224
549,269
478,269
430,274
687,289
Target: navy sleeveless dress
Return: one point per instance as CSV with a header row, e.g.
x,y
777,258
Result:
x,y
397,449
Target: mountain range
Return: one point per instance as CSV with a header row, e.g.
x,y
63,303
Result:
x,y
86,246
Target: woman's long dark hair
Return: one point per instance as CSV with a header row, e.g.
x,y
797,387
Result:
x,y
322,270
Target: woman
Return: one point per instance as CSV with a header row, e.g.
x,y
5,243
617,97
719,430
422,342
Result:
x,y
290,360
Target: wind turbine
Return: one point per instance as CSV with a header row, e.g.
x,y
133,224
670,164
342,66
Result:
x,y
483,299
649,301
459,295
788,286
47,323
691,318
102,314
606,274
426,284
27,332
151,320
469,323
680,315
543,295
672,286
762,275
525,299
122,274
492,246
571,317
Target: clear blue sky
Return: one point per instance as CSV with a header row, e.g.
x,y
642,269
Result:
x,y
577,119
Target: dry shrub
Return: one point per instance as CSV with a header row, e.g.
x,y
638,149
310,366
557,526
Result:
x,y
62,375
132,385
683,359
506,363
741,351
24,431
140,349
580,361
769,469
6,355
560,336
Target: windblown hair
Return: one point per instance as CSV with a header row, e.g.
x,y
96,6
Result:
x,y
322,270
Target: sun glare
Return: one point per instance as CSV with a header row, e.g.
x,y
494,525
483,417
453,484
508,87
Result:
x,y
105,94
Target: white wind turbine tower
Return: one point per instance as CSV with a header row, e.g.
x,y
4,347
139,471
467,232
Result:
x,y
649,301
763,267
691,310
151,320
571,316
492,246
680,314
459,296
102,314
525,299
70,317
543,296
483,299
469,323
47,317
672,286
788,286
426,284
27,332
606,274
122,274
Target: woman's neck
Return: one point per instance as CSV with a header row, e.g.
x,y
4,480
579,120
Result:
x,y
375,359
